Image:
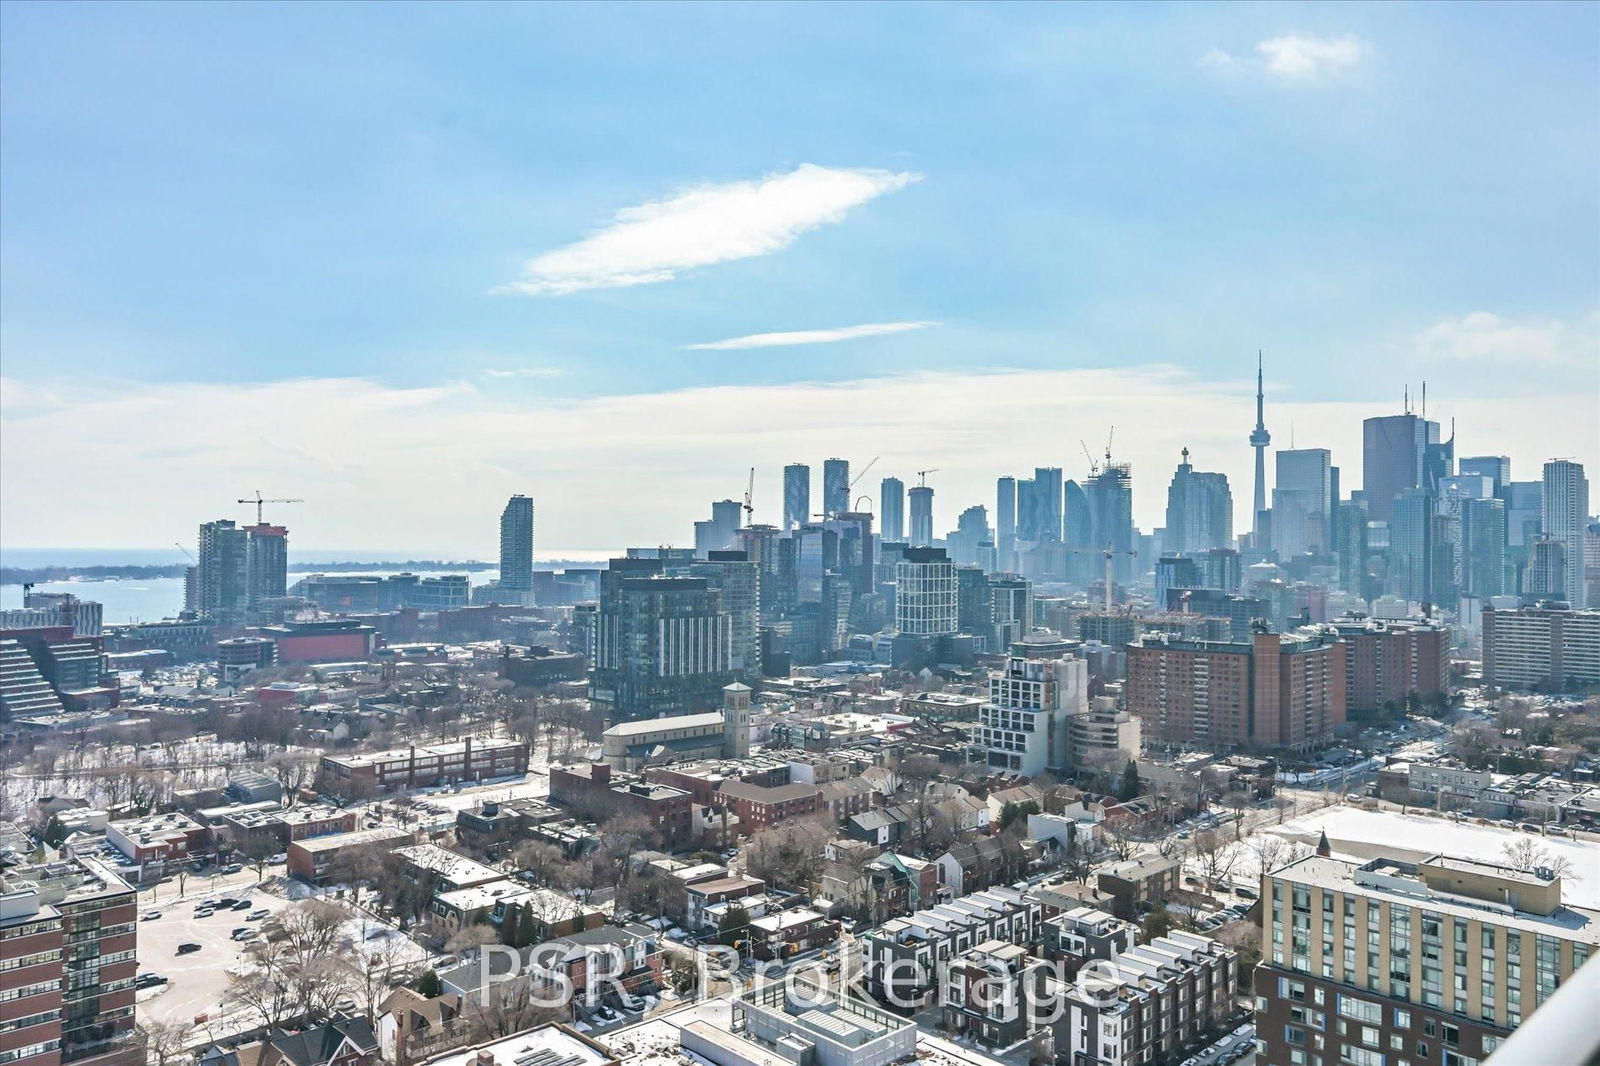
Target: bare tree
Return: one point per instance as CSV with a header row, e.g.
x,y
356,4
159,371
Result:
x,y
1525,853
294,769
165,1041
1214,856
1114,834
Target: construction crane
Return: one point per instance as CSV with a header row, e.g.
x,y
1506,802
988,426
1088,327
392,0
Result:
x,y
749,499
864,470
922,477
259,499
186,552
1110,553
1094,464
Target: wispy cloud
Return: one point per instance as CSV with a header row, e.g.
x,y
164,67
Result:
x,y
705,225
1295,57
1484,337
474,447
523,372
809,336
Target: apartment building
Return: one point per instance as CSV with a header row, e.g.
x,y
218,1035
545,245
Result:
x,y
1084,934
988,990
1541,647
1273,691
1165,995
1394,963
68,947
1388,660
761,807
904,959
1024,726
425,765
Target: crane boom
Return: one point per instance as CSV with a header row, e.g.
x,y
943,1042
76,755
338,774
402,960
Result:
x,y
749,498
259,499
863,473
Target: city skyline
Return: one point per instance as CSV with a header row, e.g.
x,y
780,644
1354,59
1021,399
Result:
x,y
1158,200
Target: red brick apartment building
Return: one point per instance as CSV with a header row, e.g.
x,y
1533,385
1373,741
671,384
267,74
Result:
x,y
68,947
1274,691
760,807
1386,661
424,766
591,786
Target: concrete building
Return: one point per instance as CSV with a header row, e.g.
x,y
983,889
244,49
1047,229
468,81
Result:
x,y
925,601
1025,727
1082,935
921,516
817,1028
1433,961
1308,471
424,765
904,959
1137,884
1542,647
990,992
68,955
1273,691
1104,729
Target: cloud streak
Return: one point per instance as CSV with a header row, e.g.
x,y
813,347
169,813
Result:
x,y
660,457
704,225
523,372
1484,337
1295,57
808,336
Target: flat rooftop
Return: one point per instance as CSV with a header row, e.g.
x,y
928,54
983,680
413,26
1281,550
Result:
x,y
549,1045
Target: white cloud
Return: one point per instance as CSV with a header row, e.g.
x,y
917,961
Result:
x,y
1294,57
809,336
705,225
523,372
433,466
1485,337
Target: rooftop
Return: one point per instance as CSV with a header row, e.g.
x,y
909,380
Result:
x,y
657,725
548,1045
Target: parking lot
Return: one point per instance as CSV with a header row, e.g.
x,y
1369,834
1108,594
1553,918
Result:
x,y
195,981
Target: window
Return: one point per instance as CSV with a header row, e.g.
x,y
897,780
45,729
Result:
x,y
1402,1019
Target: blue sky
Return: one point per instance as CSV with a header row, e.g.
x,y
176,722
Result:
x,y
240,204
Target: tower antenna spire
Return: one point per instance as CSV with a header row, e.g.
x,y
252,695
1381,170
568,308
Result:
x,y
1259,439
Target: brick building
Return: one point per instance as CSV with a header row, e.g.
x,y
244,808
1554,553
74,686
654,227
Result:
x,y
424,766
1272,691
592,787
68,955
762,807
1388,660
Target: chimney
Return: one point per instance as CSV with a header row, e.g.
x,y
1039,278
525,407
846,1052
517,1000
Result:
x,y
600,773
485,1058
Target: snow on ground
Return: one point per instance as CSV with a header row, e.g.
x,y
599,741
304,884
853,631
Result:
x,y
1357,834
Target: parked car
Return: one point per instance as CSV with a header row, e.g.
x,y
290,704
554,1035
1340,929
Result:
x,y
150,916
256,916
148,980
280,857
233,868
188,948
226,901
242,905
1246,893
204,912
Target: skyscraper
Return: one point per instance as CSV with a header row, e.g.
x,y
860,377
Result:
x,y
223,571
1411,544
1110,496
1396,452
1566,516
893,508
1483,547
1259,439
796,495
1491,466
1199,510
266,564
921,516
835,486
925,601
1005,522
516,545
1309,470
1047,505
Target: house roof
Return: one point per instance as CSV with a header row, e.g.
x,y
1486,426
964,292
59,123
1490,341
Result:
x,y
319,1045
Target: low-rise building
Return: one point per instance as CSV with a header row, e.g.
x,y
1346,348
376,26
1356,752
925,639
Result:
x,y
1085,934
158,843
1140,882
591,787
988,991
784,934
820,1027
1165,996
311,860
425,765
904,958
761,807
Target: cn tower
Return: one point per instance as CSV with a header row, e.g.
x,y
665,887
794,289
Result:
x,y
1259,439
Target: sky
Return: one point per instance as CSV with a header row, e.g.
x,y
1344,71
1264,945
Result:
x,y
402,261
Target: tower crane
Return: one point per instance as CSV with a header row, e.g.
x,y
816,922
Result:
x,y
186,552
1094,464
864,470
259,499
922,477
749,499
1110,552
